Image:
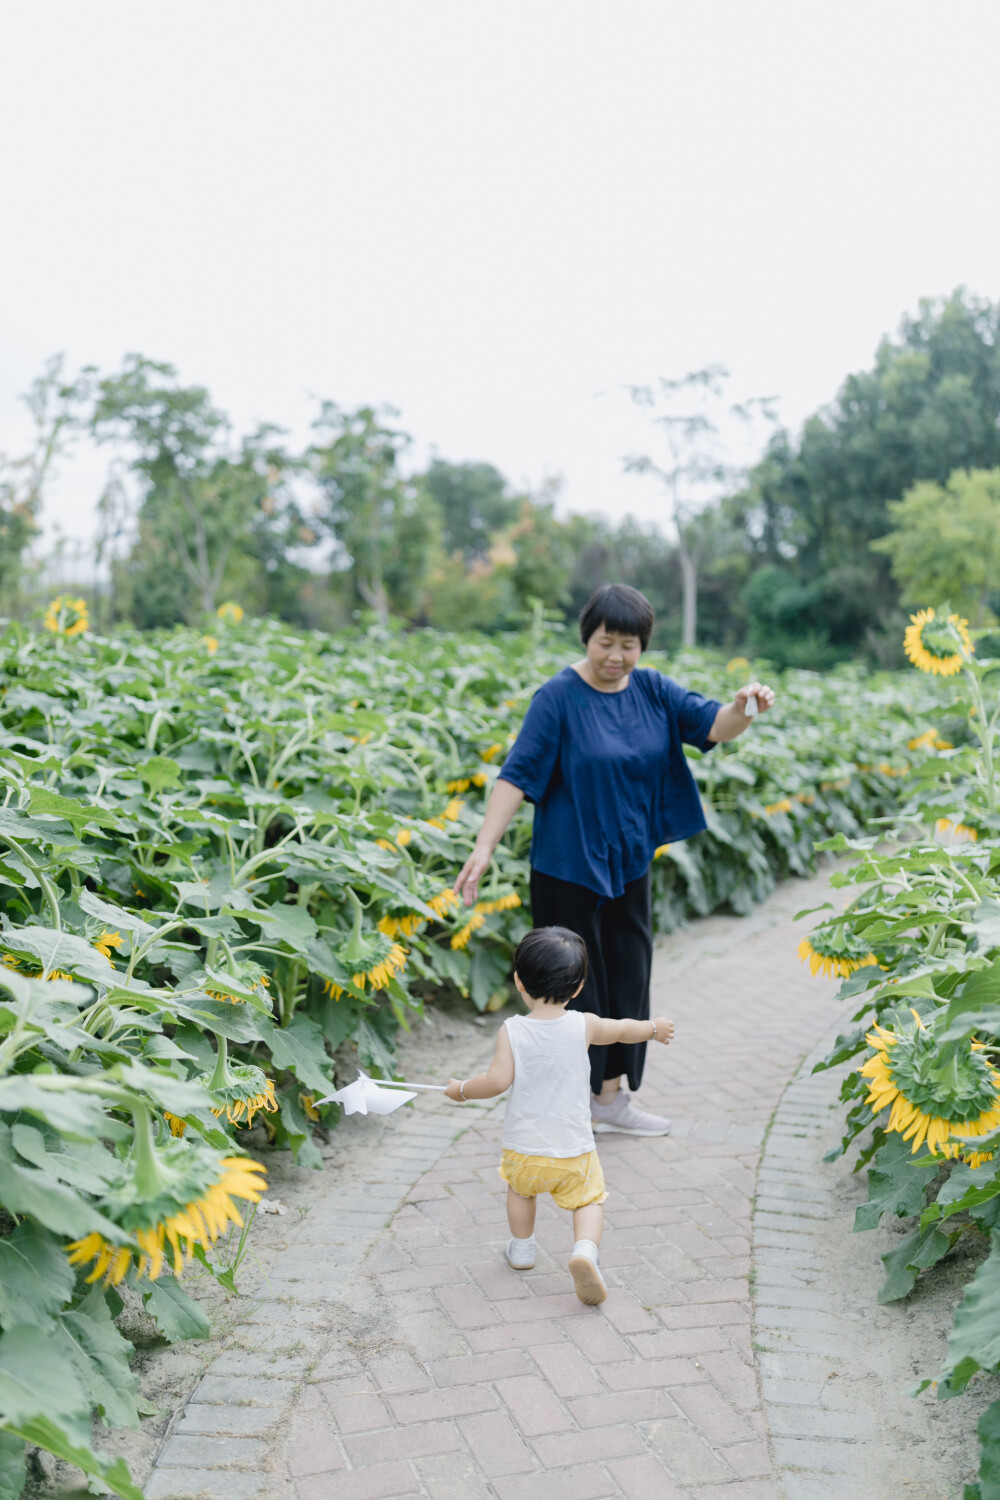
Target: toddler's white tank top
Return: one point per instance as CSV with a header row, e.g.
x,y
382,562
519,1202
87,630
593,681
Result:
x,y
548,1108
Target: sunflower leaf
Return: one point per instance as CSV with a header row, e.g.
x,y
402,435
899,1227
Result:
x,y
13,1471
298,1131
173,1311
36,1278
975,1339
922,1248
988,1432
300,1048
100,1356
893,1185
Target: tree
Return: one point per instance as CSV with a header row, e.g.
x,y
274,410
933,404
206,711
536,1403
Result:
x,y
387,528
475,503
695,470
200,497
945,543
55,405
930,405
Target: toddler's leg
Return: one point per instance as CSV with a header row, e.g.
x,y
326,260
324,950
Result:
x,y
588,1222
584,1263
521,1218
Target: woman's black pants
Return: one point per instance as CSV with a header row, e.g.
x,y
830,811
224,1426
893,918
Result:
x,y
619,939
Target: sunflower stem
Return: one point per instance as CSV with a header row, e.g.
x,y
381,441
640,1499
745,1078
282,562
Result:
x,y
936,936
221,1078
149,1180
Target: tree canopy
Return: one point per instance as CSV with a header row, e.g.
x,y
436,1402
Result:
x,y
887,498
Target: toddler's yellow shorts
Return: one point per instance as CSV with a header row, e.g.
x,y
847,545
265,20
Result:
x,y
573,1181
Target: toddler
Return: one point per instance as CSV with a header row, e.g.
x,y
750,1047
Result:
x,y
548,1141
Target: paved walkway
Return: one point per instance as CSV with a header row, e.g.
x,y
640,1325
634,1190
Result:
x,y
426,1367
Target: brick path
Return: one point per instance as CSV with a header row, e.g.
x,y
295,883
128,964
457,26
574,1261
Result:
x,y
439,1372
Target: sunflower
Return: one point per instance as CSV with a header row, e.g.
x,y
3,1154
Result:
x,y
226,995
784,806
462,785
251,977
176,1123
403,836
738,664
242,1088
661,850
499,903
407,925
107,941
940,647
492,751
177,1196
211,644
381,970
461,938
233,613
948,833
66,616
929,740
941,1095
451,814
833,952
443,902
30,968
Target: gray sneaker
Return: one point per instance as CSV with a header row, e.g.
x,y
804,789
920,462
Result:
x,y
622,1116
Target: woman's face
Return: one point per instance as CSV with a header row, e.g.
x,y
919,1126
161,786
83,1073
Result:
x,y
612,656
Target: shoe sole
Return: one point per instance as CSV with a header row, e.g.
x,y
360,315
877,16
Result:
x,y
588,1280
527,1265
600,1128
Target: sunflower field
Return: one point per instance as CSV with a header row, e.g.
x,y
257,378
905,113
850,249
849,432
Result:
x,y
919,950
226,863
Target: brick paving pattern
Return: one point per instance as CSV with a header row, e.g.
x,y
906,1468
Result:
x,y
494,1383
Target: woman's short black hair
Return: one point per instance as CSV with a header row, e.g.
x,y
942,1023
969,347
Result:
x,y
551,963
618,608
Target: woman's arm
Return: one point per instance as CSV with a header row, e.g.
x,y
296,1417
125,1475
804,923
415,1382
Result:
x,y
498,1076
732,718
503,804
604,1033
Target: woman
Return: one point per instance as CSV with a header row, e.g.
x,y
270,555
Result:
x,y
600,755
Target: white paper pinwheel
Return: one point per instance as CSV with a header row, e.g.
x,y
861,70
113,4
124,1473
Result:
x,y
365,1096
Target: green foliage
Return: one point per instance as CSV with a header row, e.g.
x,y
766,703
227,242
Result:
x,y
54,403
945,543
234,862
928,911
927,408
385,527
474,502
207,511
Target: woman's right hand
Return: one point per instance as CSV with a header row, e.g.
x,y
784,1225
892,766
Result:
x,y
471,873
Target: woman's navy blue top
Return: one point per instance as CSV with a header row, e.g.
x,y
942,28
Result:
x,y
608,775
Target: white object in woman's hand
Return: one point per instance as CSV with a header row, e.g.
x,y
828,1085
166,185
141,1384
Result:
x,y
754,699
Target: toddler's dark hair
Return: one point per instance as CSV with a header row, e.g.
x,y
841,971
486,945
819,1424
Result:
x,y
551,963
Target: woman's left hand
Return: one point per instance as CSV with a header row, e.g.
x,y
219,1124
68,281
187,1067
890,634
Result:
x,y
760,691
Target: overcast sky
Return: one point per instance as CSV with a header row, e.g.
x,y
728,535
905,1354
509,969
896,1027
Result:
x,y
492,216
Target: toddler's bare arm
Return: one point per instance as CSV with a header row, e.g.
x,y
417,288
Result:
x,y
604,1033
498,1076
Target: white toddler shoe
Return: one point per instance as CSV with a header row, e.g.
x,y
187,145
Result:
x,y
521,1253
